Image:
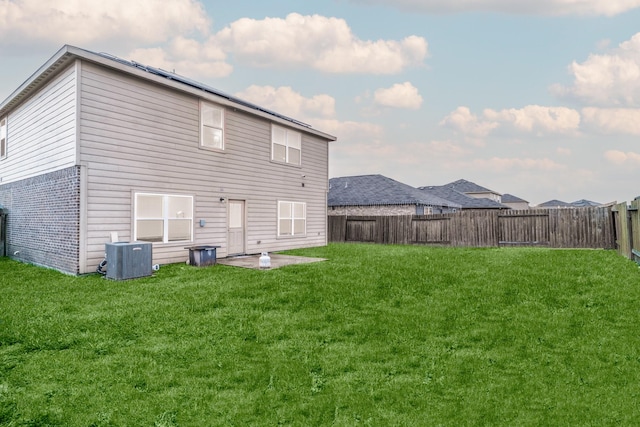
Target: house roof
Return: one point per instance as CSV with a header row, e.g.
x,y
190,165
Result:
x,y
555,204
464,186
67,54
583,203
377,190
466,202
510,198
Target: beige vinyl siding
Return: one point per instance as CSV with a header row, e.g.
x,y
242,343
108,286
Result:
x,y
42,131
138,136
517,205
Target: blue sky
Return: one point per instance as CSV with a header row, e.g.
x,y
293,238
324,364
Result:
x,y
536,99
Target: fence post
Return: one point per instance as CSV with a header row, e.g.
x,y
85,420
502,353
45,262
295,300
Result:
x,y
623,235
634,213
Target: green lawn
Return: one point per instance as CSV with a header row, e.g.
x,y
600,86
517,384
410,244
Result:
x,y
377,335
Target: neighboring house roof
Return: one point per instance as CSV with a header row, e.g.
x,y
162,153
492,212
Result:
x,y
378,190
583,203
464,186
510,198
466,202
67,54
555,204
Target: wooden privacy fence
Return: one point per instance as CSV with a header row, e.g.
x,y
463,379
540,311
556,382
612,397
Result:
x,y
626,219
555,228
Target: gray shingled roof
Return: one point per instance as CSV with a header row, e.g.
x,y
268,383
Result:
x,y
583,203
467,202
377,190
510,198
555,204
464,186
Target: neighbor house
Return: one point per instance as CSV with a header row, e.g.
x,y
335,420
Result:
x,y
94,146
379,195
558,204
466,202
554,204
514,202
474,190
584,203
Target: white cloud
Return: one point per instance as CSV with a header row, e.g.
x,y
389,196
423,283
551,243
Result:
x,y
613,120
461,119
539,7
620,157
611,79
530,119
190,48
318,111
400,95
174,34
286,101
37,22
325,44
360,147
187,57
446,149
350,131
503,164
539,119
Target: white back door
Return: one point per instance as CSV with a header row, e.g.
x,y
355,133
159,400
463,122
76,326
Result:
x,y
236,227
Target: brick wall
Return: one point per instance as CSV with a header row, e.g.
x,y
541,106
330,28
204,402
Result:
x,y
385,210
43,223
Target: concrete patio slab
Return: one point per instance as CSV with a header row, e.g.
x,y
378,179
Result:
x,y
277,260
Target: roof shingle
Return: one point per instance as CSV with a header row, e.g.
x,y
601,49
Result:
x,y
510,198
464,186
466,202
555,204
376,190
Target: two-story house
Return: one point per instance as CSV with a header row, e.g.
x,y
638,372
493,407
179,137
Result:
x,y
93,146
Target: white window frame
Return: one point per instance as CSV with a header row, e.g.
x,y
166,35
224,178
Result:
x,y
3,137
166,217
206,125
290,140
292,217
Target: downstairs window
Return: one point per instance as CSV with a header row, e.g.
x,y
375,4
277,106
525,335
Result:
x,y
292,219
163,218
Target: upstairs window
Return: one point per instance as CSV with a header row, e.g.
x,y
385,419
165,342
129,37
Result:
x,y
163,218
286,145
211,126
3,138
292,219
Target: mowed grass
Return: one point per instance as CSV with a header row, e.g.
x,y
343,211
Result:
x,y
376,335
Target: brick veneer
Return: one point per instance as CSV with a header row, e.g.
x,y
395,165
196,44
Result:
x,y
382,210
43,223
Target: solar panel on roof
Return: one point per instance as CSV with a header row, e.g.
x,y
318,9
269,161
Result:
x,y
187,81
